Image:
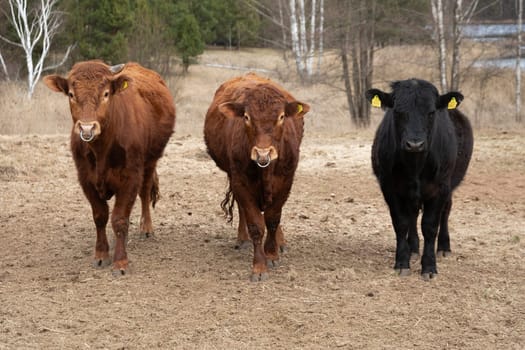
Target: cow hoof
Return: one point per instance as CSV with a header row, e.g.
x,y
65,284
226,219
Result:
x,y
403,272
243,245
443,253
427,276
145,235
118,273
101,263
259,277
273,263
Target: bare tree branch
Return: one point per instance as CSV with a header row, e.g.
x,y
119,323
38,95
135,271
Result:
x,y
45,23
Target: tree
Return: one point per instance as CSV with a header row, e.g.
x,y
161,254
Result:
x,y
304,33
458,14
188,39
518,62
35,29
300,24
151,39
101,28
357,55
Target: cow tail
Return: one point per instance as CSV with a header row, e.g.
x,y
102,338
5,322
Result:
x,y
227,204
155,194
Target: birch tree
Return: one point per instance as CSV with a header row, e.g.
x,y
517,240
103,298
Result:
x,y
4,67
357,55
518,62
35,29
437,14
460,14
304,23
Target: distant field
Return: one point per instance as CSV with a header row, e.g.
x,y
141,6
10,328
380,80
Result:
x,y
489,93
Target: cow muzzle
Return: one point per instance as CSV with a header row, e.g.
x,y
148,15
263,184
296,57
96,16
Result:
x,y
88,131
263,156
415,145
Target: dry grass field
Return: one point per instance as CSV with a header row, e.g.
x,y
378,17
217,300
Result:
x,y
189,289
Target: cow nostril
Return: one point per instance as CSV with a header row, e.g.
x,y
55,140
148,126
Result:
x,y
415,145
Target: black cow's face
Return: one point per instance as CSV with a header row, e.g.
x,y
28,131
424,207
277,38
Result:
x,y
264,112
415,105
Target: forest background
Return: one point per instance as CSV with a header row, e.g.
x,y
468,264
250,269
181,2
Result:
x,y
339,45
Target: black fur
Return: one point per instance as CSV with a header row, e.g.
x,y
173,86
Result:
x,y
420,154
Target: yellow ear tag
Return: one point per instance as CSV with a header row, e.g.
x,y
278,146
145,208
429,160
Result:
x,y
376,102
299,108
452,104
124,85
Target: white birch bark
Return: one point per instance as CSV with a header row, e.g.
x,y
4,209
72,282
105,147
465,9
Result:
x,y
294,33
302,33
31,32
311,49
321,34
4,67
518,62
462,16
437,13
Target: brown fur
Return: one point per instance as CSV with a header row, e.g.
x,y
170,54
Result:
x,y
136,116
231,139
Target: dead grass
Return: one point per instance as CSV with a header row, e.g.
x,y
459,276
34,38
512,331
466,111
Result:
x,y
489,94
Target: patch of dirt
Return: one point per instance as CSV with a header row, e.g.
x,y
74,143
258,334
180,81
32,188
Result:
x,y
189,289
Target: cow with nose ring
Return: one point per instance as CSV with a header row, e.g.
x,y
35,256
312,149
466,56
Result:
x,y
253,131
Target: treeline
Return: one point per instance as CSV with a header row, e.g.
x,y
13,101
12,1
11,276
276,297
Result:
x,y
155,32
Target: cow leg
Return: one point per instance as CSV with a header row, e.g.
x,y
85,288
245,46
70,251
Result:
x,y
401,221
120,223
272,218
413,239
443,247
148,194
255,225
243,238
256,230
429,226
279,236
100,211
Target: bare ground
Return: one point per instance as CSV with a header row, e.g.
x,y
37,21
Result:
x,y
189,289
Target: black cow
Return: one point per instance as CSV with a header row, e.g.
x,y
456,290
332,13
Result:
x,y
420,154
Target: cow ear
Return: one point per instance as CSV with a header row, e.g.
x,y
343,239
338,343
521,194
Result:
x,y
119,84
231,109
56,83
450,100
296,109
379,99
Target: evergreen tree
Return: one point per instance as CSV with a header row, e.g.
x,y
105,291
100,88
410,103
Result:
x,y
189,41
101,28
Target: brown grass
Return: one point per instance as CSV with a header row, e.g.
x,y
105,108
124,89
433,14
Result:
x,y
489,94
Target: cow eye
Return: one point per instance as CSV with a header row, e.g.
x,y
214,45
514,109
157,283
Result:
x,y
281,118
71,95
246,118
106,93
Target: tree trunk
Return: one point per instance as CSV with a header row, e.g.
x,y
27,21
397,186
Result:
x,y
294,32
456,38
302,32
310,55
32,33
437,14
321,34
518,62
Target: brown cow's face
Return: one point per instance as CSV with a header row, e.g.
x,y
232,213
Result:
x,y
264,119
89,87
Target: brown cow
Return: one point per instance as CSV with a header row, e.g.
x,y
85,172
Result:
x,y
123,116
253,130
